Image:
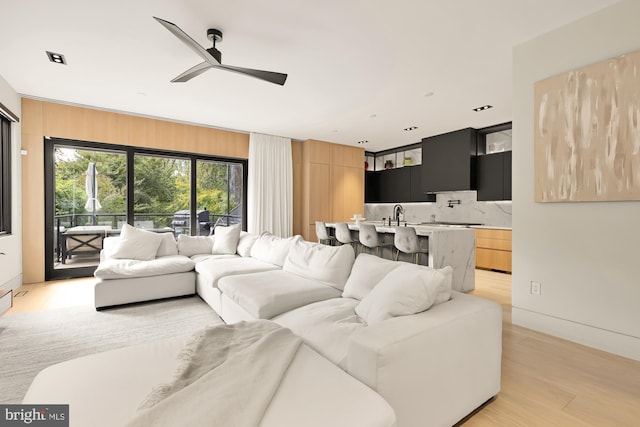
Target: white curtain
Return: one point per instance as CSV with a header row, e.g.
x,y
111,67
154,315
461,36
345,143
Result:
x,y
270,185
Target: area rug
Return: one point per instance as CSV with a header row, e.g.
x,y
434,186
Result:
x,y
29,342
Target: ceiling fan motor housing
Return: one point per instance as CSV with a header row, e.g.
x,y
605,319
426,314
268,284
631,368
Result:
x,y
215,36
216,54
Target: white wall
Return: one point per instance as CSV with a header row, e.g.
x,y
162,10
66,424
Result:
x,y
11,245
585,255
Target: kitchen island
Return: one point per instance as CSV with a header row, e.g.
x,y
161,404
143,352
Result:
x,y
454,246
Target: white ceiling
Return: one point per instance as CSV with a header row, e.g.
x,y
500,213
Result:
x,y
358,70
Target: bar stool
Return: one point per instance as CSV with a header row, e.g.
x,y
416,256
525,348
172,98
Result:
x,y
343,235
323,234
370,239
406,241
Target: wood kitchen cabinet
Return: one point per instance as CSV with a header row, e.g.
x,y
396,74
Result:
x,y
493,249
332,184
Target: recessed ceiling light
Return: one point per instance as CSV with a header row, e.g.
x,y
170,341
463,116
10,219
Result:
x,y
58,58
364,141
484,107
410,128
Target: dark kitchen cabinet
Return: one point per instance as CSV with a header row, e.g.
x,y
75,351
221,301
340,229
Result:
x,y
417,194
448,161
394,185
507,175
494,176
371,187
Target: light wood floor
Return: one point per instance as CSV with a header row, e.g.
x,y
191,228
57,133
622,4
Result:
x,y
546,381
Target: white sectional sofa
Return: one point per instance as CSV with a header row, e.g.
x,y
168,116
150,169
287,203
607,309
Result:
x,y
432,353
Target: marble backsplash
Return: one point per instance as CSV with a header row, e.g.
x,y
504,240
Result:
x,y
497,214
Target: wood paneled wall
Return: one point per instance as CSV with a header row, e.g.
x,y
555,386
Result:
x,y
296,153
332,184
41,119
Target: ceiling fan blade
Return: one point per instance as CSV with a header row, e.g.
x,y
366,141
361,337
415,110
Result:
x,y
192,72
269,76
191,43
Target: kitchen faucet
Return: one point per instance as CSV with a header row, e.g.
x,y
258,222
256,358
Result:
x,y
397,211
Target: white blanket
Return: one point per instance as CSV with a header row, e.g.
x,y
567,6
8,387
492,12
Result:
x,y
229,376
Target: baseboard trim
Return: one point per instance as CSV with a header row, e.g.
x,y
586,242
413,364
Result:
x,y
609,341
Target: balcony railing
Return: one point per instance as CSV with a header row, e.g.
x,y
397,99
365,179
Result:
x,y
152,221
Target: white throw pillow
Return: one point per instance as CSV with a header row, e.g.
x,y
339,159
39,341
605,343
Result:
x,y
245,243
367,271
226,239
136,244
329,264
194,245
408,289
168,245
272,249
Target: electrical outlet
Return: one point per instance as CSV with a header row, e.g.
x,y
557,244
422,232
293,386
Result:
x,y
536,288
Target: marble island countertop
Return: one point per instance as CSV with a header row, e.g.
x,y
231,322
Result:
x,y
421,229
494,227
447,245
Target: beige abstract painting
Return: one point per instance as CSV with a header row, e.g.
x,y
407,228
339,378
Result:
x,y
587,133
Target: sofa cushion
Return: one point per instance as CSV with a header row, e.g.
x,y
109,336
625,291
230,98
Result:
x,y
193,245
137,244
267,294
408,289
225,239
168,245
367,271
203,257
326,326
245,243
272,249
114,268
329,264
213,269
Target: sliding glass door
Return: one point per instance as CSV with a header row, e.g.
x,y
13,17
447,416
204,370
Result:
x,y
220,190
162,193
89,203
92,189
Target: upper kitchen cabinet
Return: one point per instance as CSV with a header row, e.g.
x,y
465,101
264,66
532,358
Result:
x,y
371,187
448,161
493,169
394,185
417,194
494,176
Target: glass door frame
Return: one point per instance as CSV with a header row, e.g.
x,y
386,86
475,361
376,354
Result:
x,y
49,191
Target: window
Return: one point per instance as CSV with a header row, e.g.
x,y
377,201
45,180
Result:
x,y
219,189
92,189
5,172
162,193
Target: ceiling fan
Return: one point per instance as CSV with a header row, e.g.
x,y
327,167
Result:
x,y
213,57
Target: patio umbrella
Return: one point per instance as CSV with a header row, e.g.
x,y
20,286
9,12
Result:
x,y
91,187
